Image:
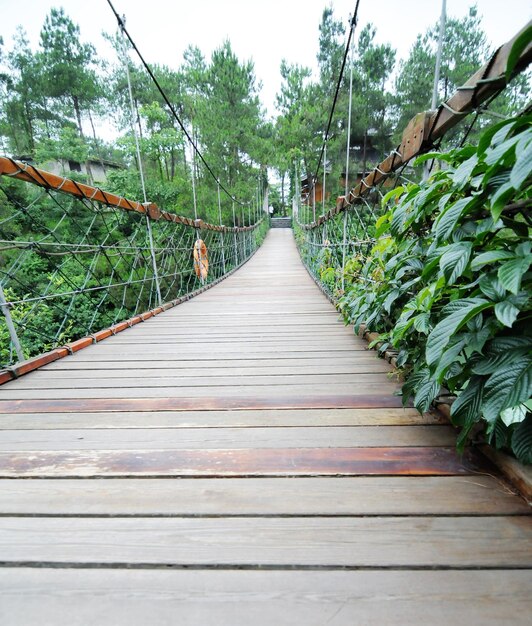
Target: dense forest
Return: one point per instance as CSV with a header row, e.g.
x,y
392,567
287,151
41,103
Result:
x,y
53,98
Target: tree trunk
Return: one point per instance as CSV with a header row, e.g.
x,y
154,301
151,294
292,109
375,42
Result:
x,y
46,123
172,164
29,127
138,117
364,153
77,110
14,136
98,151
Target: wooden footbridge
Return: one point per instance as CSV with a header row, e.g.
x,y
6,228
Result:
x,y
241,460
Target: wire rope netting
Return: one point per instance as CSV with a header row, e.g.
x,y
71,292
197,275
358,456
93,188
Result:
x,y
75,258
71,266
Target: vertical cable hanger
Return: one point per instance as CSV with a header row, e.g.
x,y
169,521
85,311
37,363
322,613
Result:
x,y
222,234
347,150
139,160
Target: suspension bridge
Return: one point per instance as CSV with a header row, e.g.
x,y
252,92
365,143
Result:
x,y
216,446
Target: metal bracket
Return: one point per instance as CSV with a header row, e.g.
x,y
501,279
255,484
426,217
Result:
x,y
152,211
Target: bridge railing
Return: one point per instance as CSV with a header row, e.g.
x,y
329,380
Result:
x,y
75,260
336,244
436,270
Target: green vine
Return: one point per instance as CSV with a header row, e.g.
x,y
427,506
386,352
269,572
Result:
x,y
448,286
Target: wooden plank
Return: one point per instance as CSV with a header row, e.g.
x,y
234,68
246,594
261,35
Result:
x,y
296,541
277,394
58,597
167,352
135,380
520,475
245,343
219,419
355,360
233,351
160,371
200,404
415,461
329,496
222,438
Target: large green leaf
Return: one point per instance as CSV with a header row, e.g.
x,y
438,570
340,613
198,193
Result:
x,y
506,313
497,154
476,340
490,286
390,299
491,256
457,314
507,387
513,414
448,358
463,173
400,215
522,167
511,272
428,156
403,324
522,441
518,47
495,134
465,410
425,394
447,220
497,433
394,193
454,260
422,323
500,198
501,352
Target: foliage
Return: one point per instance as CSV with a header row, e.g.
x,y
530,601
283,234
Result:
x,y
464,50
449,285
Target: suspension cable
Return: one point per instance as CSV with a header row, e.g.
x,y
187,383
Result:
x,y
353,24
347,149
122,26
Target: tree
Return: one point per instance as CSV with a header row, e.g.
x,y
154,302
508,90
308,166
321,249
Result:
x,y
24,104
372,101
331,50
464,50
299,126
229,122
69,66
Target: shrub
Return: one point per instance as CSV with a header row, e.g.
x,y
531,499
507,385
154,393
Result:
x,y
448,285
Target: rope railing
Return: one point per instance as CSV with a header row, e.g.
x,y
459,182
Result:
x,y
335,244
75,259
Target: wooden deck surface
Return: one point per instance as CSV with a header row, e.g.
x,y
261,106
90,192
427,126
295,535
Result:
x,y
242,459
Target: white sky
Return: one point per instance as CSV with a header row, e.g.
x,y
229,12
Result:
x,y
264,31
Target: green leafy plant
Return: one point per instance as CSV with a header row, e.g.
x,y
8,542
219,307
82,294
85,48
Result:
x,y
448,285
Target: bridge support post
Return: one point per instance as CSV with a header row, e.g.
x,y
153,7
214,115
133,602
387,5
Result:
x,y
10,326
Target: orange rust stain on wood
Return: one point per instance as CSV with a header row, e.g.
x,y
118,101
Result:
x,y
413,461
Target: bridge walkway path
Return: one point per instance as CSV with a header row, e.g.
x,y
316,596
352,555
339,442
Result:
x,y
242,458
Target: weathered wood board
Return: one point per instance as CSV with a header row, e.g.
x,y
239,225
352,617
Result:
x,y
243,458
